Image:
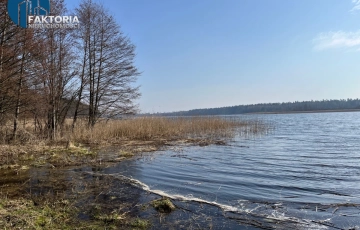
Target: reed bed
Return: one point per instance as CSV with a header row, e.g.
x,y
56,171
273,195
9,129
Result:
x,y
140,129
160,128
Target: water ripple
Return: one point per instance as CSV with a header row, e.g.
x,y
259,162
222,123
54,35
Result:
x,y
306,171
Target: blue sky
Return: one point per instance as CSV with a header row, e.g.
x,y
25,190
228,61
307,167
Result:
x,y
214,53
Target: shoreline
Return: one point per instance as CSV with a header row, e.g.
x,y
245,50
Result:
x,y
35,188
93,196
47,185
312,111
99,201
22,157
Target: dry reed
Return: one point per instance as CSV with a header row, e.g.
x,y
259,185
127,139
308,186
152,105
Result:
x,y
138,129
158,128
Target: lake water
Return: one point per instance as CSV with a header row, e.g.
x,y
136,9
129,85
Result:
x,y
304,174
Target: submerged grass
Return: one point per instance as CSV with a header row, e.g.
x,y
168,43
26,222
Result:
x,y
140,224
22,213
51,200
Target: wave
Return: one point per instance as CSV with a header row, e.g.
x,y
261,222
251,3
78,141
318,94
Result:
x,y
273,218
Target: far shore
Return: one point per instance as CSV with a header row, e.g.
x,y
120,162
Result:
x,y
312,111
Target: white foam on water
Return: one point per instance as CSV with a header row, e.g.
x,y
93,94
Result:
x,y
145,187
274,216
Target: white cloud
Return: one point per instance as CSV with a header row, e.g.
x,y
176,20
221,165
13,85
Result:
x,y
339,39
357,5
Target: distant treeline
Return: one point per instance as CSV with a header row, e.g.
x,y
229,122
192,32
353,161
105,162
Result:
x,y
304,106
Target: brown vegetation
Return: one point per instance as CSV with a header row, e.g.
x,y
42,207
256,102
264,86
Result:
x,y
82,145
137,129
158,128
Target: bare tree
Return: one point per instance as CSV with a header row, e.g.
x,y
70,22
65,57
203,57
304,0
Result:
x,y
51,73
8,62
23,55
56,69
108,64
15,54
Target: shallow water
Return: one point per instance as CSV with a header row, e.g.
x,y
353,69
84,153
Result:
x,y
304,174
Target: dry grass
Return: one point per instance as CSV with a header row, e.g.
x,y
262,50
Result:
x,y
135,129
158,128
131,136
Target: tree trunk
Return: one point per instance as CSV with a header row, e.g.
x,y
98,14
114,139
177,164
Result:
x,y
20,87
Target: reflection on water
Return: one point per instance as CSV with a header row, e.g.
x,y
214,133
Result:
x,y
305,173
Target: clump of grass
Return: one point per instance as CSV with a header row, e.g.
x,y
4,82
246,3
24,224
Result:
x,y
140,224
113,217
125,154
163,205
